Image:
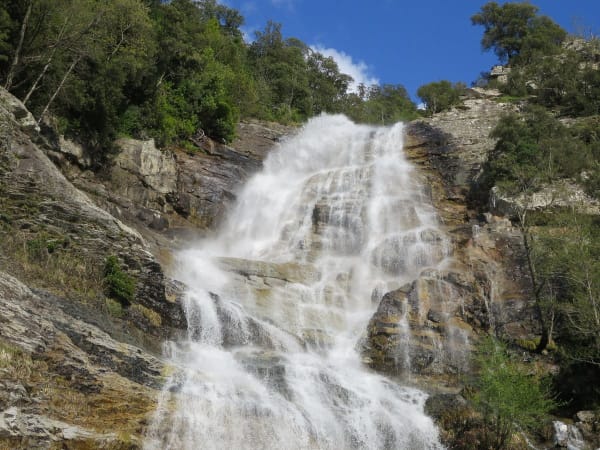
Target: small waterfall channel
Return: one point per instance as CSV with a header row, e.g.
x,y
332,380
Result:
x,y
279,300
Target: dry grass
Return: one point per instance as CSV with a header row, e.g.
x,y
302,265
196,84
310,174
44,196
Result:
x,y
17,365
152,316
50,262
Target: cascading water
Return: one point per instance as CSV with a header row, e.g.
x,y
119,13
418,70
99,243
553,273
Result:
x,y
279,300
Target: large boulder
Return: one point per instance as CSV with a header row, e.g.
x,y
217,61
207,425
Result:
x,y
559,195
420,327
153,168
18,112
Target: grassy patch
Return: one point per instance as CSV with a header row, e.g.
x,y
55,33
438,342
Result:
x,y
509,99
114,308
152,316
531,344
16,364
48,261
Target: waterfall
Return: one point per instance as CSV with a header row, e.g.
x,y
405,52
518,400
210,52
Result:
x,y
279,300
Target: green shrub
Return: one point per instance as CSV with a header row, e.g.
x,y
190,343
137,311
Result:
x,y
43,245
441,95
508,395
532,344
131,123
117,284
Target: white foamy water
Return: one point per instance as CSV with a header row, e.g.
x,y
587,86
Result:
x,y
279,300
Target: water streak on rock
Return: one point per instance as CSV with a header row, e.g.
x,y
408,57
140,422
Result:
x,y
279,301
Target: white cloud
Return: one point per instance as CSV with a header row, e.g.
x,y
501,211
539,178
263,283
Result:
x,y
358,70
248,33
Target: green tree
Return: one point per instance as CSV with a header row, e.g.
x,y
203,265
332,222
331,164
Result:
x,y
508,396
532,148
381,105
280,66
573,261
389,104
565,248
5,28
514,30
78,60
107,62
328,86
202,75
441,95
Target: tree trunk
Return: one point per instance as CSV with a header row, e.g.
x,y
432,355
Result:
x,y
37,81
535,284
17,57
62,82
47,66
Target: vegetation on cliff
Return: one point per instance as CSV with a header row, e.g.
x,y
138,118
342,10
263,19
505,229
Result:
x,y
441,95
554,138
508,396
170,70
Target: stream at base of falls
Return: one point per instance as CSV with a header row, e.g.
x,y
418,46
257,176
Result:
x,y
280,298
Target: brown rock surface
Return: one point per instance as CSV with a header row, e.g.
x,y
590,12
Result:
x,y
77,370
65,382
174,192
451,147
429,325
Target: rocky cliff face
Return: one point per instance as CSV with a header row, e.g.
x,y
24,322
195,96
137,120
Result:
x,y
79,370
171,193
64,381
485,287
450,148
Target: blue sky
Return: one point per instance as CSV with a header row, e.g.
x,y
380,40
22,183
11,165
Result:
x,y
396,41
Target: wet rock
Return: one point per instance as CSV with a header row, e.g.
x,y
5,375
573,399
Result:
x,y
288,272
437,405
567,436
588,423
410,251
317,338
450,149
268,366
418,328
